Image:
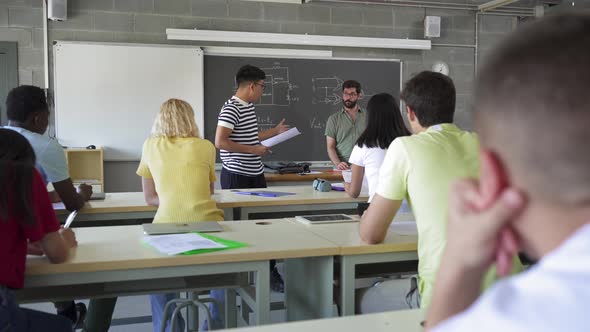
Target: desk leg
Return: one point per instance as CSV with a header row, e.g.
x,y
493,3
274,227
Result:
x,y
242,213
230,308
228,214
262,294
347,284
308,288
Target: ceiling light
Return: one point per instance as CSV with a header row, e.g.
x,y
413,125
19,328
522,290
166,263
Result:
x,y
296,39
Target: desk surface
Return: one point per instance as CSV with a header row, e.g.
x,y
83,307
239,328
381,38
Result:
x,y
327,175
121,247
346,236
403,321
134,201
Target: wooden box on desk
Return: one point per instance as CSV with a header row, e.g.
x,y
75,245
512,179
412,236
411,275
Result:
x,y
86,166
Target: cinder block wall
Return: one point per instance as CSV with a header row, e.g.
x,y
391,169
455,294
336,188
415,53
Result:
x,y
145,21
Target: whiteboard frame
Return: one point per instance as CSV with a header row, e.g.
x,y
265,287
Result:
x,y
199,93
267,53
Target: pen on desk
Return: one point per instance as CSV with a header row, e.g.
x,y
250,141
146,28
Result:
x,y
266,194
70,218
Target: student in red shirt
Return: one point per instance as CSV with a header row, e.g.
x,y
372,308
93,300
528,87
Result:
x,y
27,226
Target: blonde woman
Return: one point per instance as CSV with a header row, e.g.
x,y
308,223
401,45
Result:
x,y
178,167
178,171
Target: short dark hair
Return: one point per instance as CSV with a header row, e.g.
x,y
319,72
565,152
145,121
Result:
x,y
384,122
25,100
17,160
431,96
249,74
352,84
532,107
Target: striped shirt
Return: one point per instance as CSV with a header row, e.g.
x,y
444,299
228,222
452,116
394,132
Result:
x,y
240,117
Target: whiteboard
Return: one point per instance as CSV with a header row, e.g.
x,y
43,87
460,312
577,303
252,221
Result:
x,y
109,94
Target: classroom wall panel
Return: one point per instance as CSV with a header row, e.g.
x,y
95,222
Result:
x,y
310,18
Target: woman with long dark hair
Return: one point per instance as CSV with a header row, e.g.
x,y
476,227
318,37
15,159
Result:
x,y
27,226
384,124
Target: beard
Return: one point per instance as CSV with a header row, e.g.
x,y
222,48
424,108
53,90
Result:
x,y
349,104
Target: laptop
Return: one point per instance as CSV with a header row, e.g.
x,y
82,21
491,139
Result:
x,y
200,226
98,196
326,219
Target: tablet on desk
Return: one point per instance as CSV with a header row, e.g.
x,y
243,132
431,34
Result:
x,y
325,219
198,226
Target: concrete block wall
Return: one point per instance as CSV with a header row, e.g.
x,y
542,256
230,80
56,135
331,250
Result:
x,y
145,21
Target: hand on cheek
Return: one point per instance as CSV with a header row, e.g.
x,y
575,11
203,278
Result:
x,y
479,236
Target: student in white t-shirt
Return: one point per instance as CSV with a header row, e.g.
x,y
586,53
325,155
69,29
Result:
x,y
384,124
532,110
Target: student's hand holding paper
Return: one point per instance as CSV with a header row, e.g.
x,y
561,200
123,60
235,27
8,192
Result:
x,y
260,150
281,127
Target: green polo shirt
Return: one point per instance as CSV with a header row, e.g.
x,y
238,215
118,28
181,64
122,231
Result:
x,y
420,168
345,131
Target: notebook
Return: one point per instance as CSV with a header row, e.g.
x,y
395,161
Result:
x,y
326,219
199,226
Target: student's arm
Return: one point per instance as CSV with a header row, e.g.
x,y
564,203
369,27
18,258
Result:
x,y
149,192
476,238
331,148
377,218
353,189
212,187
223,142
54,242
69,196
280,128
54,197
56,245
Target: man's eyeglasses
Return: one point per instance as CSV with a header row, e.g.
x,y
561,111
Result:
x,y
263,86
351,95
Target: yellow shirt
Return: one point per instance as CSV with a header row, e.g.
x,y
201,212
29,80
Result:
x,y
182,170
421,168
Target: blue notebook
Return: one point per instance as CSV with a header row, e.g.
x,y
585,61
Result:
x,y
263,193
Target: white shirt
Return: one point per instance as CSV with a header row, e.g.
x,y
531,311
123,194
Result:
x,y
371,159
50,155
551,296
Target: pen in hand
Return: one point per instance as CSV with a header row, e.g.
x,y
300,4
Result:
x,y
70,218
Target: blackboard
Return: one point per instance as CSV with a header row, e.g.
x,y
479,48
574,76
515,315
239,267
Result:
x,y
303,91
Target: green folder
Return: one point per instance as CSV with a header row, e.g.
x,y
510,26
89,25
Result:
x,y
229,244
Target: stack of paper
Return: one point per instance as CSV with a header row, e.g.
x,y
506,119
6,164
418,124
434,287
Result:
x,y
280,138
174,244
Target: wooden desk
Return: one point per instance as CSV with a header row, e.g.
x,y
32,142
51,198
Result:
x,y
120,206
353,252
327,175
392,321
112,261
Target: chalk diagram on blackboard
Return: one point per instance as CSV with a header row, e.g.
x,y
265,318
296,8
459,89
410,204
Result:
x,y
265,122
278,89
326,90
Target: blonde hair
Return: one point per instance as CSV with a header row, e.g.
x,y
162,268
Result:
x,y
176,119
